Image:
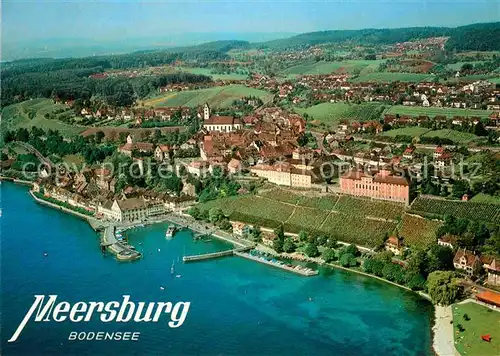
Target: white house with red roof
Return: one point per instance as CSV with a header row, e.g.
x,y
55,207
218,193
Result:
x,y
219,123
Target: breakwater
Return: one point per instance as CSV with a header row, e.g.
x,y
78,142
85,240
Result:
x,y
209,256
304,271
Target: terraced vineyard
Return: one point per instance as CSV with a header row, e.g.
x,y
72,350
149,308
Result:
x,y
350,228
489,213
418,231
349,219
366,207
323,203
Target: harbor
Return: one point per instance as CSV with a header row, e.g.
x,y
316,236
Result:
x,y
121,250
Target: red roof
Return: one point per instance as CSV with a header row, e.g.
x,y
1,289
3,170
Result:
x,y
219,120
489,297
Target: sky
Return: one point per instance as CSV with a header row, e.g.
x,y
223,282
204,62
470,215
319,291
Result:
x,y
118,20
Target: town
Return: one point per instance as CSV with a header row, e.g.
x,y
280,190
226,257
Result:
x,y
382,160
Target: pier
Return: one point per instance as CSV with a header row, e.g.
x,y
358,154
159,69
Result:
x,y
122,251
303,271
209,256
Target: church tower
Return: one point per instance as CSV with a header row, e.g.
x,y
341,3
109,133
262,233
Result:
x,y
206,112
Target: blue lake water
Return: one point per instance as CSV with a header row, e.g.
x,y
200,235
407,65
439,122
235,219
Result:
x,y
237,306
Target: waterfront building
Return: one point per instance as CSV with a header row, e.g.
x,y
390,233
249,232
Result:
x,y
381,185
466,261
132,209
395,245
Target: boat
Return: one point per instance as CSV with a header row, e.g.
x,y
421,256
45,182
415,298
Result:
x,y
170,232
172,269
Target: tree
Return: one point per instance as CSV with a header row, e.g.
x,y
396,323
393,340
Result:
x,y
328,255
256,233
417,263
302,236
278,245
479,129
194,212
352,249
215,215
311,250
443,287
460,187
372,265
348,260
289,245
225,224
439,258
415,281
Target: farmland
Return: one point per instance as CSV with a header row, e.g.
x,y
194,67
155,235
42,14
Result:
x,y
324,67
456,136
426,206
219,97
406,131
433,111
485,198
361,221
332,113
418,231
392,77
17,115
208,72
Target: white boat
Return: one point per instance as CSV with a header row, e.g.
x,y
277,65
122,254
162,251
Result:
x,y
172,269
170,232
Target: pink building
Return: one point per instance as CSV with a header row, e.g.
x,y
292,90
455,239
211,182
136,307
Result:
x,y
381,185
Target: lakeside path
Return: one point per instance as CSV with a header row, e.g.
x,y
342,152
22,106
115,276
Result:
x,y
443,341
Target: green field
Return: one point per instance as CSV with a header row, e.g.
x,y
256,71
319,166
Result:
x,y
456,136
458,65
482,321
16,116
392,77
332,113
349,219
485,198
433,111
324,67
219,97
208,72
406,131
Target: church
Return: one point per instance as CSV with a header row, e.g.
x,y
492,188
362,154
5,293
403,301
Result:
x,y
219,123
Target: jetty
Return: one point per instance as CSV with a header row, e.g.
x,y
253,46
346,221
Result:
x,y
123,252
209,256
303,271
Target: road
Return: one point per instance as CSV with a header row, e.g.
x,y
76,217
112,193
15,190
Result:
x,y
37,153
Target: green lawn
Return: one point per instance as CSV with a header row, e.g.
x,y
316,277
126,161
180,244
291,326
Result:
x,y
433,111
216,97
16,116
392,77
324,67
332,113
456,136
406,131
485,198
482,321
208,72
